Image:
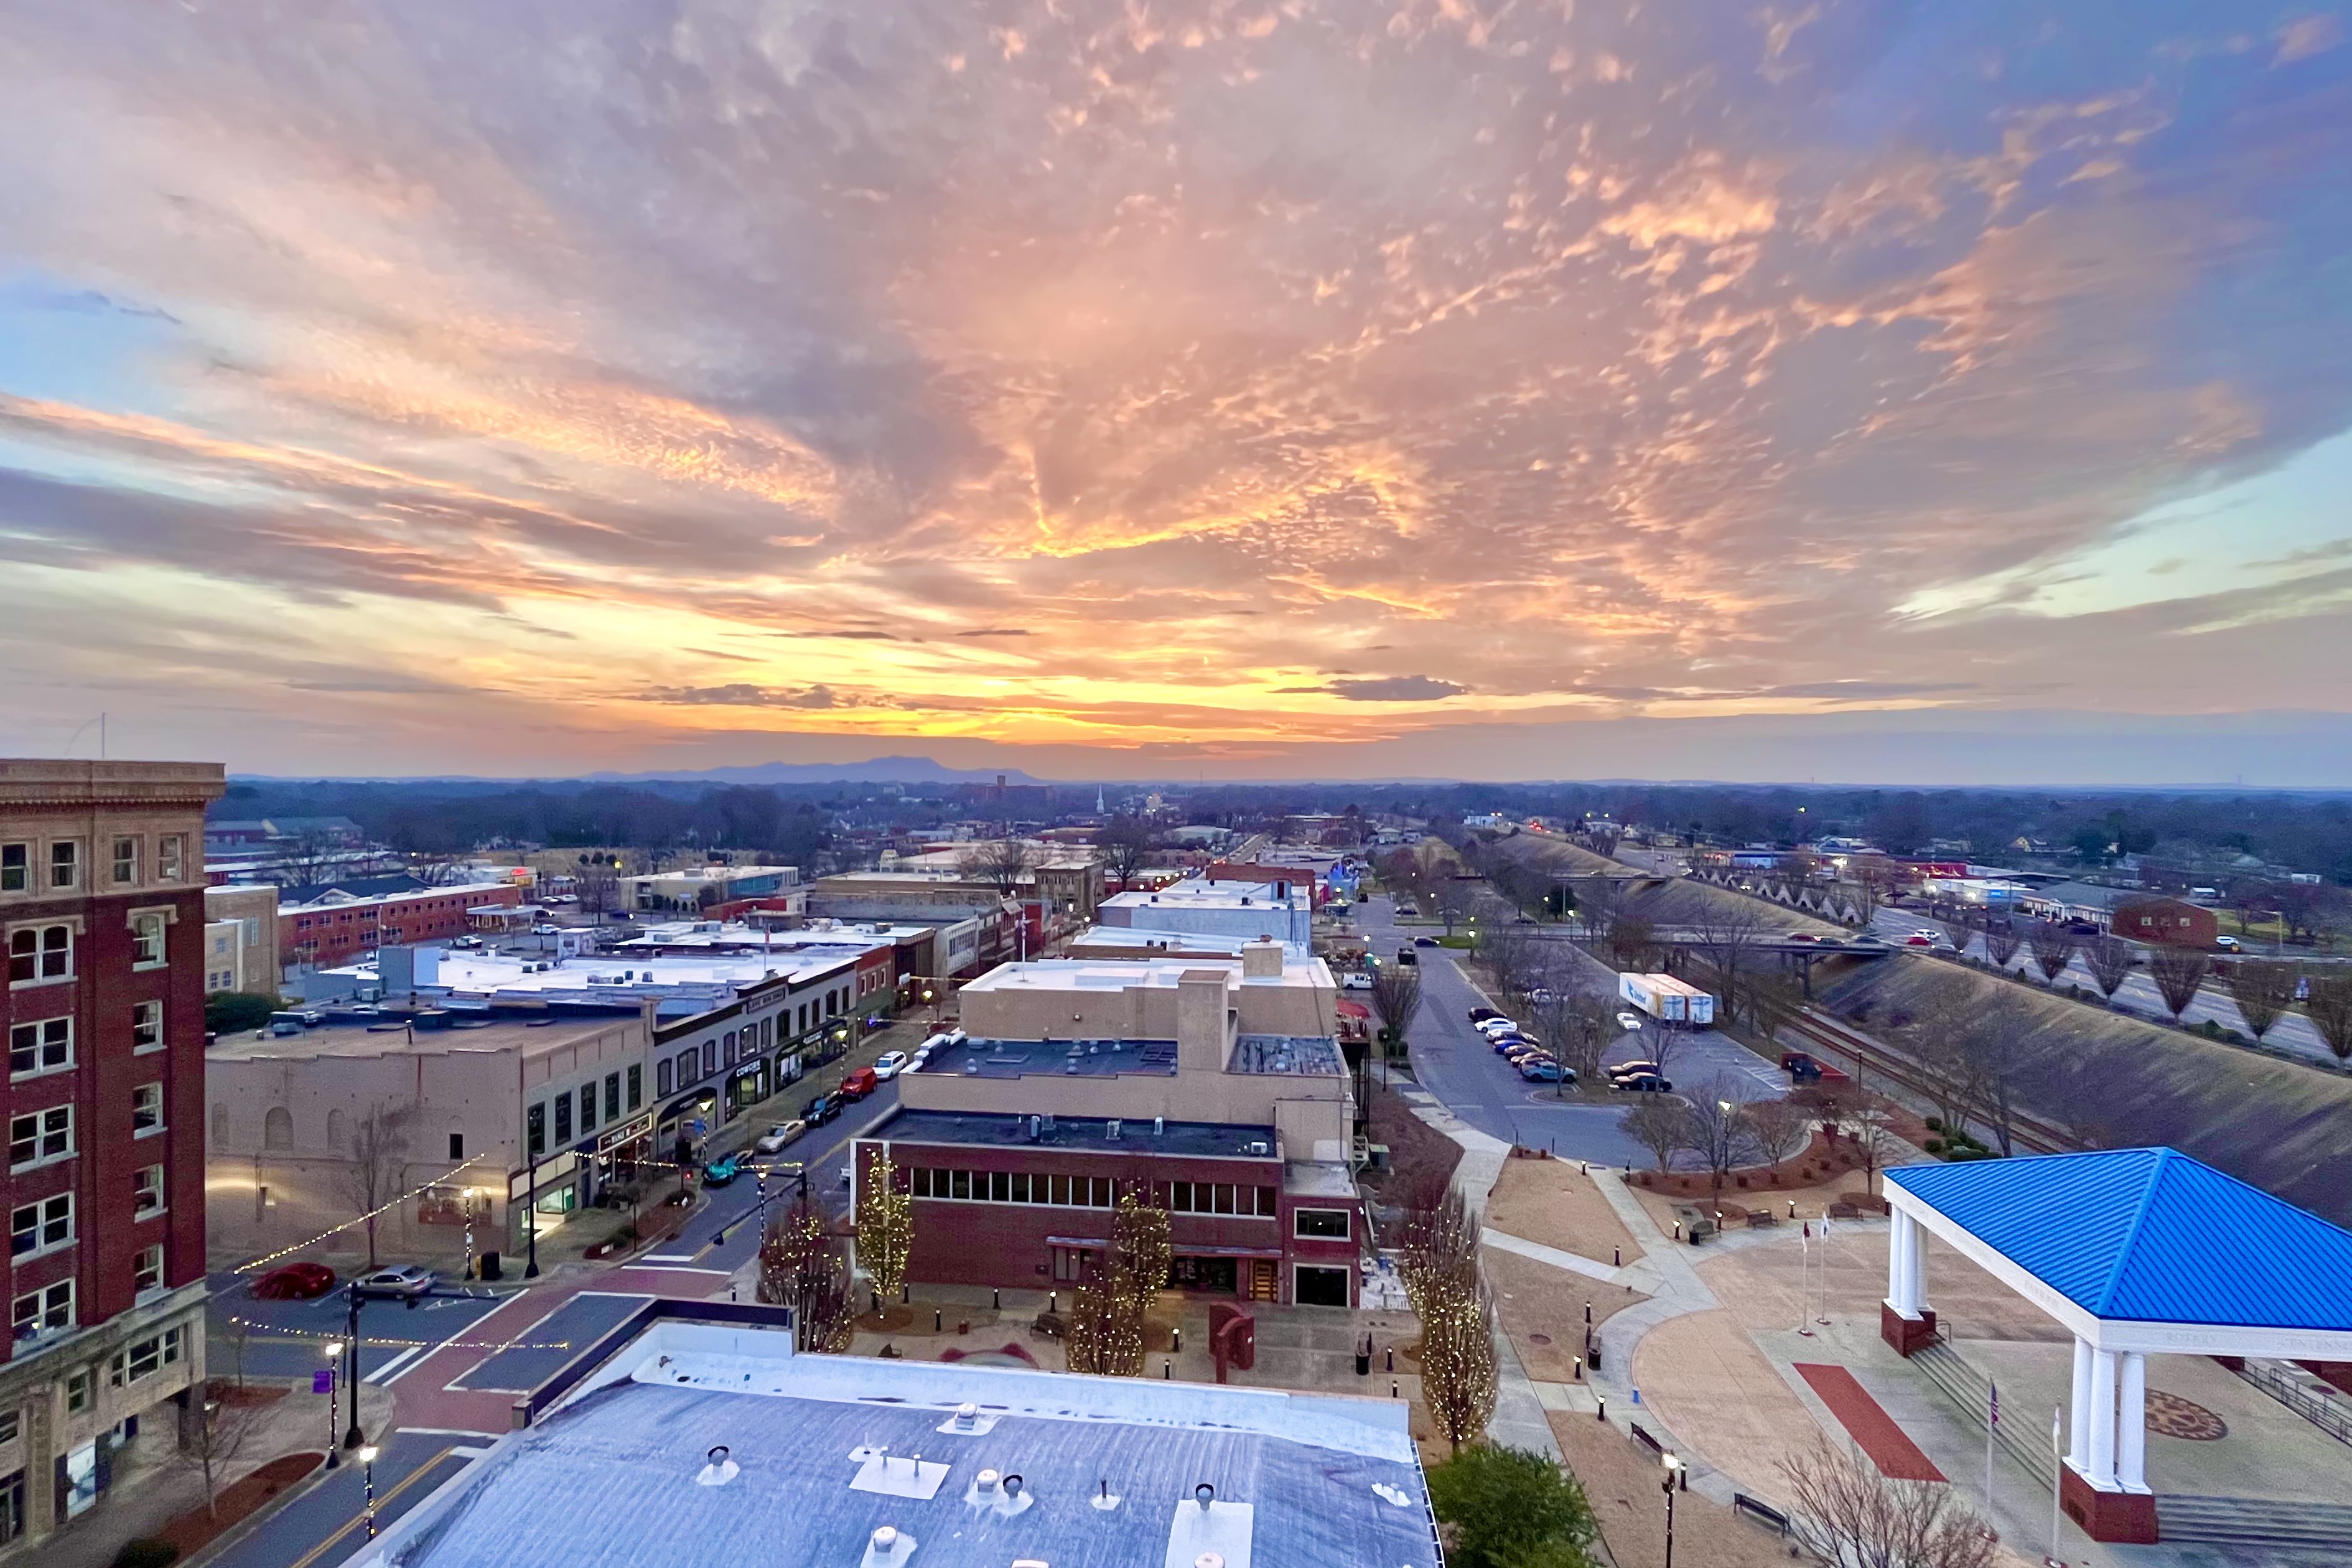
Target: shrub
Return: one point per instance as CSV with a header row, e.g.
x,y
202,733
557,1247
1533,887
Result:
x,y
1934,1124
1510,1507
1933,1145
145,1552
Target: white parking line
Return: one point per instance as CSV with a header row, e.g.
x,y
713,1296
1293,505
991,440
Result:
x,y
390,1369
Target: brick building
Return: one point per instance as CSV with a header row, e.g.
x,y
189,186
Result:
x,y
2173,923
321,926
1217,1087
101,893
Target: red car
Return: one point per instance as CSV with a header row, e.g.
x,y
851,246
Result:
x,y
860,1084
295,1282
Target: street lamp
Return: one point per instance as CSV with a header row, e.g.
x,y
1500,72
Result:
x,y
531,1208
367,1464
1673,1473
334,1350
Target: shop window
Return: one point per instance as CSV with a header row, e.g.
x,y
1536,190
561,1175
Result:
x,y
1321,1287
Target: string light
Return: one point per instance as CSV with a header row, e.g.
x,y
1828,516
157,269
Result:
x,y
282,1335
440,1180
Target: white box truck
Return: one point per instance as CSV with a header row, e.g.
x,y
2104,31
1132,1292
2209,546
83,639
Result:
x,y
1667,999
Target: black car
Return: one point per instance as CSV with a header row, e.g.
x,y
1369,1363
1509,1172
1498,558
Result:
x,y
1641,1083
1404,955
821,1110
1480,1014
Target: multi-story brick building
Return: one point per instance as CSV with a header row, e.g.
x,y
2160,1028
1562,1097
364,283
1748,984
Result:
x,y
321,927
102,898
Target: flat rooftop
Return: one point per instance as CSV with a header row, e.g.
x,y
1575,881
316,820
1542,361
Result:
x,y
826,1449
621,974
1175,943
1130,974
391,1035
1068,1059
1218,1139
851,939
1209,896
1294,1056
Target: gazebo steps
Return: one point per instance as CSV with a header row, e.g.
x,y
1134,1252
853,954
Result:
x,y
2256,1521
1968,1388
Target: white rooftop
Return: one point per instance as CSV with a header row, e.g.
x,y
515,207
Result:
x,y
1199,893
1133,974
839,938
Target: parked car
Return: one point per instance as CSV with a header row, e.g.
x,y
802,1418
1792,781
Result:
x,y
1802,1067
398,1279
718,1173
1425,941
295,1282
1480,1014
821,1110
1355,980
1920,939
1496,1025
1503,1042
782,1135
1641,1083
861,1083
1543,1069
544,929
2226,943
1404,955
1407,910
1632,1068
889,1064
1803,936
1629,1021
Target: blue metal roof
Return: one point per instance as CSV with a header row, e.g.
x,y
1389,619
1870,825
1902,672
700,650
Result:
x,y
2151,1235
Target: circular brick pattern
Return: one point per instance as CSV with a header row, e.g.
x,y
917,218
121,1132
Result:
x,y
2169,1415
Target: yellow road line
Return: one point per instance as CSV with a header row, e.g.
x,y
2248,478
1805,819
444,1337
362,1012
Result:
x,y
360,1519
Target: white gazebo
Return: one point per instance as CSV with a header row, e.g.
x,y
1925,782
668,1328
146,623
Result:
x,y
2138,1252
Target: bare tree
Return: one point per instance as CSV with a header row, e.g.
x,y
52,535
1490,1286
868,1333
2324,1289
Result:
x,y
2109,960
1873,1139
1716,1129
1003,864
212,1431
599,888
1601,841
2178,973
2330,1008
1597,904
1994,1043
1575,1025
1780,1128
1126,843
1396,998
1660,1125
1847,1513
375,1155
2001,940
2053,949
1456,898
306,859
2263,989
1959,923
1728,930
1629,944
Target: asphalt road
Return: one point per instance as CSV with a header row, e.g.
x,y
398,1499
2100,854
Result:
x,y
328,1523
286,1339
1456,1065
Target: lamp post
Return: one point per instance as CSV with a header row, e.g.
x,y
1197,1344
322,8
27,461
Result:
x,y
471,1194
367,1469
530,1210
1674,1472
334,1377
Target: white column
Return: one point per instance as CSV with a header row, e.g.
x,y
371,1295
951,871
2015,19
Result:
x,y
2078,1411
1898,1254
2131,1447
2102,1471
1917,1268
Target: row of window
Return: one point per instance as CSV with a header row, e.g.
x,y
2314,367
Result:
x,y
1088,1192
41,954
37,1137
24,870
616,1106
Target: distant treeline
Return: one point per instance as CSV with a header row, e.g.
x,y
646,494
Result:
x,y
439,818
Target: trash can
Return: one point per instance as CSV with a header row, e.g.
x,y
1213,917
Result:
x,y
490,1265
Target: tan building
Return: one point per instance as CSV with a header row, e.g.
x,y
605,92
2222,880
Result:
x,y
241,940
479,1108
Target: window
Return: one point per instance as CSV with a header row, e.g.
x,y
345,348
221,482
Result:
x,y
148,930
142,1358
43,1046
711,1056
588,1106
36,953
729,1056
146,1191
147,1270
1266,1204
611,1097
564,1117
277,1128
8,1429
456,1146
40,1137
16,869
81,1386
126,862
661,1076
40,1313
146,1109
1319,1224
637,1085
535,1124
171,857
65,864
42,1226
146,1026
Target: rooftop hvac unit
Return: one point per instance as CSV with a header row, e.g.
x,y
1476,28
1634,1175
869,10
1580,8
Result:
x,y
1110,1132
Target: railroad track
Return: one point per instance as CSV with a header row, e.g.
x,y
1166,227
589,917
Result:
x,y
1839,1040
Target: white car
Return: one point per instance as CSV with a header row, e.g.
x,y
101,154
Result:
x,y
1490,1027
403,1278
1630,1020
889,1064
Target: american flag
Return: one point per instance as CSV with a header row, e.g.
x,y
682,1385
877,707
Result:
x,y
1992,1396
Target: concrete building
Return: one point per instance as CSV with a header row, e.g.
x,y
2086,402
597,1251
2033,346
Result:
x,y
241,940
697,887
319,928
101,892
1280,909
1217,1087
979,927
485,1110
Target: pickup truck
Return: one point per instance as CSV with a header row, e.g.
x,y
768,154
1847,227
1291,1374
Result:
x,y
1802,1067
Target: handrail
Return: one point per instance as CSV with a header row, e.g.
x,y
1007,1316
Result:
x,y
2321,1410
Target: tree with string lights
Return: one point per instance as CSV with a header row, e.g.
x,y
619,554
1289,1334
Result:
x,y
1457,1355
886,1227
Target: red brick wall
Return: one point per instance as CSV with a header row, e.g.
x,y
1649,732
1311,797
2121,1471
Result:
x,y
336,934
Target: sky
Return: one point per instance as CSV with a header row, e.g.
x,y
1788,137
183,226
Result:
x,y
1234,388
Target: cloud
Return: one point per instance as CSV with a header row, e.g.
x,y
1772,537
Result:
x,y
740,694
1386,688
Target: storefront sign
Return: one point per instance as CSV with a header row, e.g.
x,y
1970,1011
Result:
x,y
627,1132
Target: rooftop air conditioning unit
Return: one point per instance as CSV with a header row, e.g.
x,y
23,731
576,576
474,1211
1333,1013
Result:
x,y
1257,1146
1110,1131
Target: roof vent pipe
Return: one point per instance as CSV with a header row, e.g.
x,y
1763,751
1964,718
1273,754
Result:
x,y
1204,1494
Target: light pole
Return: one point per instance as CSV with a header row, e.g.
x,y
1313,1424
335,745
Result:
x,y
530,1210
471,1194
334,1378
1674,1472
367,1469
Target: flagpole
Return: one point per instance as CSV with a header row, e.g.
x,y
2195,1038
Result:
x,y
1992,1420
1825,1319
2057,1472
1804,1263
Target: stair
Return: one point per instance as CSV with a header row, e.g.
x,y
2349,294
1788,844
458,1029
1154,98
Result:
x,y
2027,1444
2256,1521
